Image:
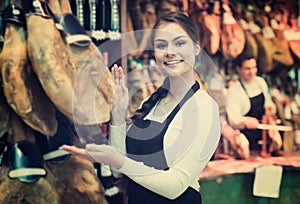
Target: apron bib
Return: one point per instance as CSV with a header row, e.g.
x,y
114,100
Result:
x,y
144,143
257,110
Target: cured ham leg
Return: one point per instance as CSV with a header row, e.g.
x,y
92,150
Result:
x,y
42,191
94,84
232,41
139,88
265,49
76,182
13,64
265,53
51,62
19,130
251,47
21,87
232,36
211,33
208,26
5,112
282,55
293,38
276,45
12,191
295,47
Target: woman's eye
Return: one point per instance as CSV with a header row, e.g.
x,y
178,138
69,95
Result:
x,y
161,46
180,43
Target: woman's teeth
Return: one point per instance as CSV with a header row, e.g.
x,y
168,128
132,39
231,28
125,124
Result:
x,y
173,62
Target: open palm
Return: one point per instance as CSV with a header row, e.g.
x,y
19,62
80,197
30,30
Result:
x,y
120,99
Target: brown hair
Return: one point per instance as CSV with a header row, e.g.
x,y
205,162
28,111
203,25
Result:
x,y
182,20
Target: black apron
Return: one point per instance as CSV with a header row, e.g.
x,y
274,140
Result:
x,y
144,143
257,110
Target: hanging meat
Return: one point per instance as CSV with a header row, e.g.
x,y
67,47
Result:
x,y
292,35
5,110
5,113
75,182
21,87
251,47
265,48
283,59
12,191
211,33
140,87
286,25
19,130
293,38
206,18
51,61
232,35
277,45
38,76
94,84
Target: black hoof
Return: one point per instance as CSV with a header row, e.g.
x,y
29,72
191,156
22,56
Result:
x,y
13,14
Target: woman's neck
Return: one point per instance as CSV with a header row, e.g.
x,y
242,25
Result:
x,y
180,85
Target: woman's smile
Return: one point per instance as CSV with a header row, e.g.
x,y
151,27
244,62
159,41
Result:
x,y
172,62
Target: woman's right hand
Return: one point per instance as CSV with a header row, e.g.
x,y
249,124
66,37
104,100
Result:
x,y
120,96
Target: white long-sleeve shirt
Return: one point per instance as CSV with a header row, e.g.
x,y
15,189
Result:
x,y
189,143
238,102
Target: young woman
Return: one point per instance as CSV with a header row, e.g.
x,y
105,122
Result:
x,y
174,133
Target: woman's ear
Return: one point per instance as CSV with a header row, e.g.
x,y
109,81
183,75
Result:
x,y
197,49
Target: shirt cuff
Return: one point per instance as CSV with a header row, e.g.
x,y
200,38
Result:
x,y
117,135
118,128
242,125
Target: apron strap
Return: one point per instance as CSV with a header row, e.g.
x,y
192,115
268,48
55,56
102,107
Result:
x,y
245,87
188,95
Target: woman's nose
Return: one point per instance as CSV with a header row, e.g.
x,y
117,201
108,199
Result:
x,y
170,51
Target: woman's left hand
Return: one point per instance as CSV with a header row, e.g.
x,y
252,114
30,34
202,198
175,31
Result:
x,y
104,154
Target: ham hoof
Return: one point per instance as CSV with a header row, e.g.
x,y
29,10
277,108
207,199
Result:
x,y
75,34
14,14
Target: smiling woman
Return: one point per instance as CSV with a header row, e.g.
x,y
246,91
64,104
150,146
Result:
x,y
173,134
173,50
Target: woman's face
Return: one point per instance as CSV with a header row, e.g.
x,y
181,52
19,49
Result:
x,y
174,50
